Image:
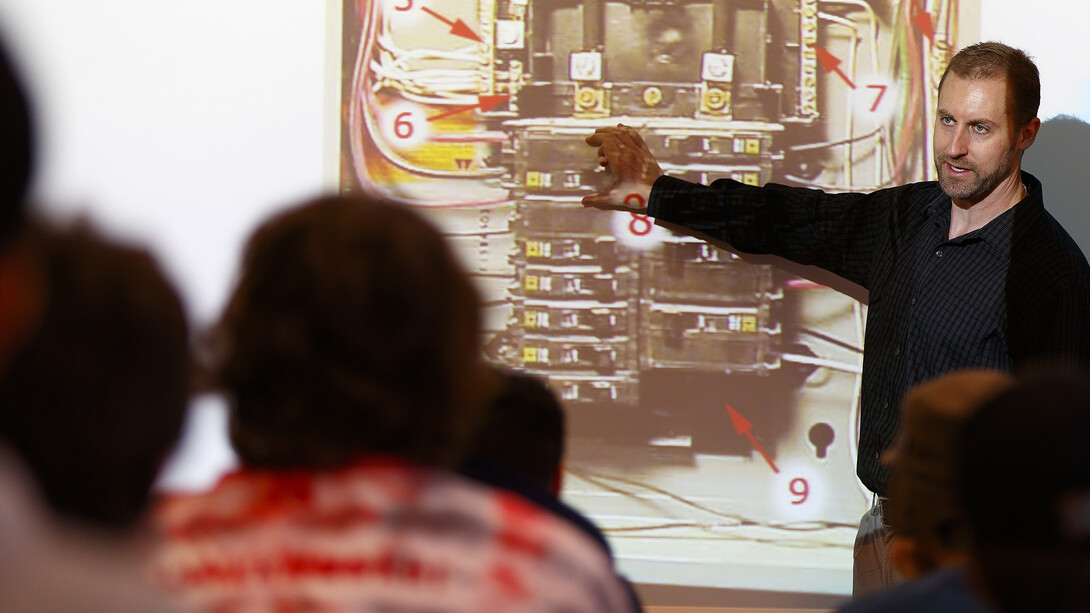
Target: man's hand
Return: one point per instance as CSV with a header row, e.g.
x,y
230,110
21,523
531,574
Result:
x,y
632,167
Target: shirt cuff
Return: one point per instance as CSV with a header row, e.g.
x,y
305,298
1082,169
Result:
x,y
665,191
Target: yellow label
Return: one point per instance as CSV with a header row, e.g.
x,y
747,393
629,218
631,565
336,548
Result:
x,y
530,283
753,146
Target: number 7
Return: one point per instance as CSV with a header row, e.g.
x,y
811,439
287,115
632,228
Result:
x,y
881,92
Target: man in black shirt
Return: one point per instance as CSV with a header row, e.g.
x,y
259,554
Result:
x,y
966,271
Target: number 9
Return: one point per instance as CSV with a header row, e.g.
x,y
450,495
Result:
x,y
800,489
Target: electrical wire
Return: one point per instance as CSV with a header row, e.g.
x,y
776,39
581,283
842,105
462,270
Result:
x,y
735,521
828,338
362,120
829,187
915,101
836,143
823,362
872,21
850,112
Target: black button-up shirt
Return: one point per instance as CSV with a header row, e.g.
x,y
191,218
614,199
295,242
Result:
x,y
1016,289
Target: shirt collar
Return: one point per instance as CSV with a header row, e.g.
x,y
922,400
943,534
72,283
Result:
x,y
1002,231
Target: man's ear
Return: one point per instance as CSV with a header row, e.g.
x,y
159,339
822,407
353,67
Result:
x,y
905,555
1027,134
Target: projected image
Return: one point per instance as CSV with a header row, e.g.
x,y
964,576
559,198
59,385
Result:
x,y
711,398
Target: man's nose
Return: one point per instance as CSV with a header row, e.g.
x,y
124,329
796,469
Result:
x,y
959,143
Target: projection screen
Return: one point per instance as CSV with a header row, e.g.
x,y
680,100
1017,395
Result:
x,y
712,398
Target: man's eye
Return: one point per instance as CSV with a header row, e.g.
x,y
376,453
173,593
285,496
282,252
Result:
x,y
980,129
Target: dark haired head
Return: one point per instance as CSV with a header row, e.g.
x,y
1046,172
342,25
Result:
x,y
352,330
923,488
1025,472
522,431
992,60
94,401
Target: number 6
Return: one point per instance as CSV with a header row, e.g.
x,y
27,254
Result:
x,y
402,127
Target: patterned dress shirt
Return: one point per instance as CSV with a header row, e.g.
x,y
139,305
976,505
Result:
x,y
1015,290
380,534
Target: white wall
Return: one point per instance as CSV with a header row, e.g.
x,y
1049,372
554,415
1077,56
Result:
x,y
176,122
1054,33
181,124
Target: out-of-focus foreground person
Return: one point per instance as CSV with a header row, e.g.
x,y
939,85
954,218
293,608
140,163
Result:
x,y
930,547
90,406
350,357
42,569
94,402
520,436
1025,469
19,283
519,447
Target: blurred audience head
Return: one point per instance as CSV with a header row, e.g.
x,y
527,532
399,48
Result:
x,y
16,149
19,278
94,401
1025,468
352,330
522,431
925,509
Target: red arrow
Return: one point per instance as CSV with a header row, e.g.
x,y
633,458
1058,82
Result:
x,y
922,19
923,22
743,426
485,103
830,63
458,27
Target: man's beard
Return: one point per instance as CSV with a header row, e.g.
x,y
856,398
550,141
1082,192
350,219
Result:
x,y
973,186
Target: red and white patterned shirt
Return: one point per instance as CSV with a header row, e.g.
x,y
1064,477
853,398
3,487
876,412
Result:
x,y
379,535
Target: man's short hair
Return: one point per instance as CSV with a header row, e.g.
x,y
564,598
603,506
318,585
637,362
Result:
x,y
94,402
352,330
993,60
16,149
